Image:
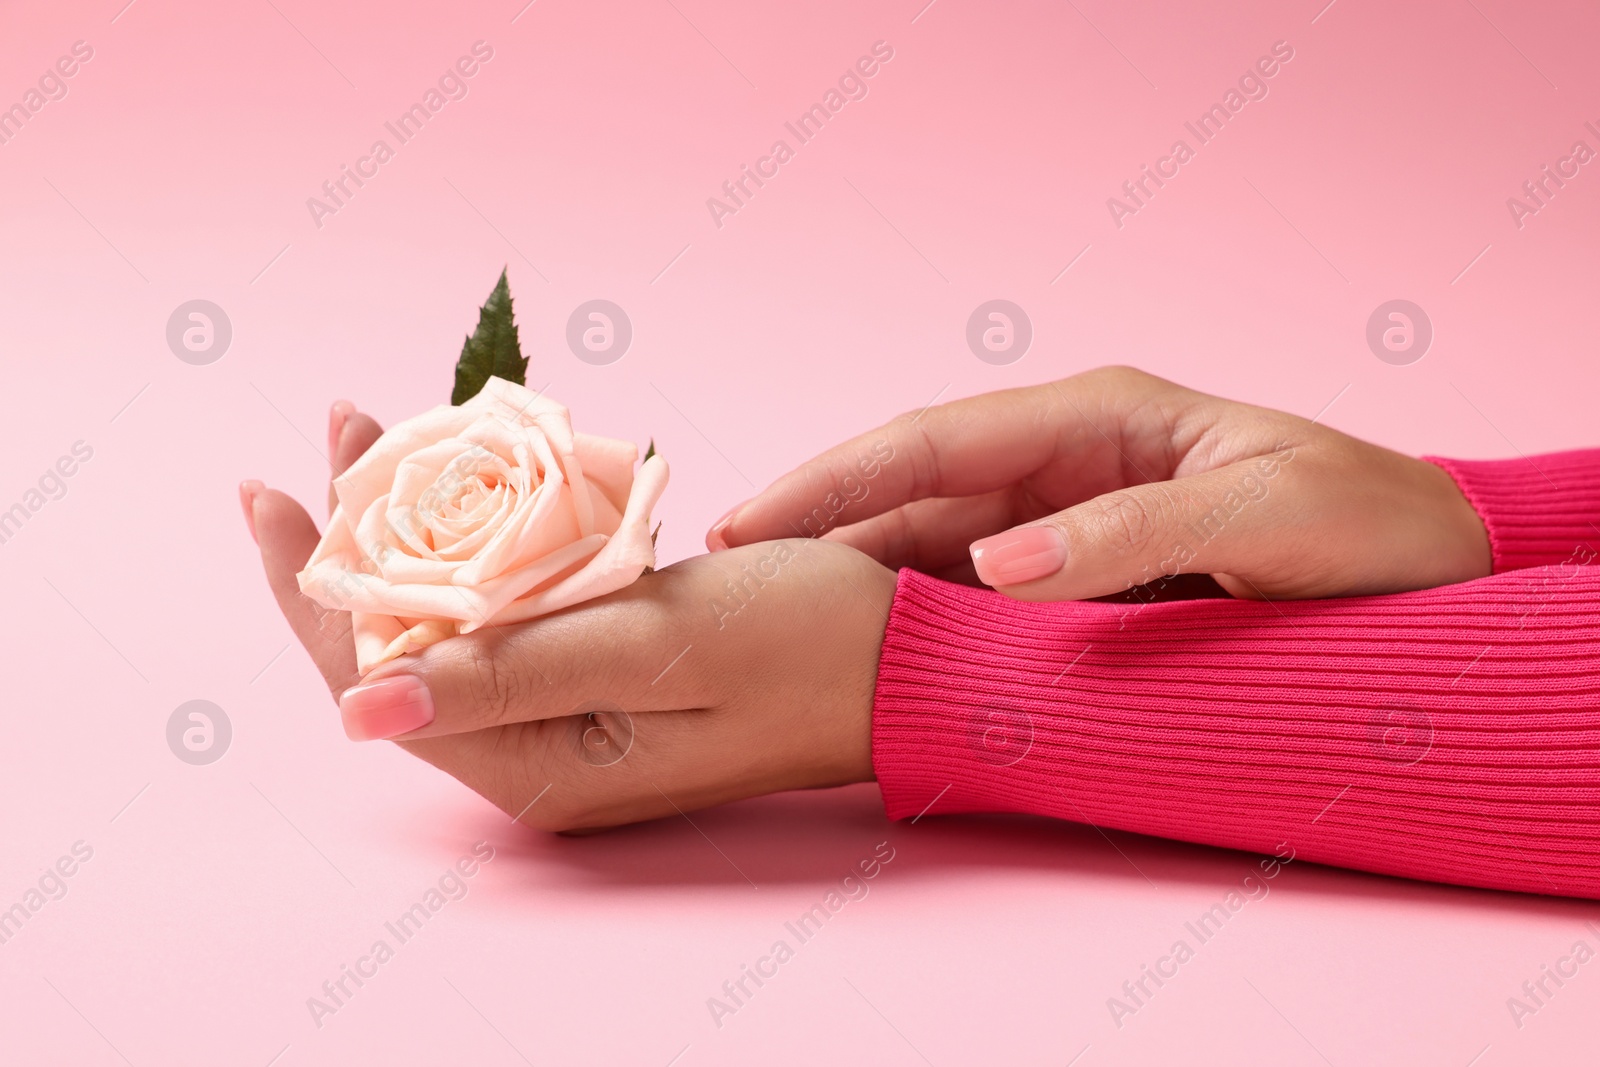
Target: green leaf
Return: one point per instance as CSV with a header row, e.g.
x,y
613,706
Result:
x,y
492,350
649,451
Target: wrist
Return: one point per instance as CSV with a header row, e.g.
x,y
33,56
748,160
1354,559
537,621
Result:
x,y
1541,510
1460,532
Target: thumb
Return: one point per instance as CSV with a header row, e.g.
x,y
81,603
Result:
x,y
1210,523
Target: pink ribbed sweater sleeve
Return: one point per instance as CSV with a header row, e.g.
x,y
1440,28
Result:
x,y
1450,734
1539,509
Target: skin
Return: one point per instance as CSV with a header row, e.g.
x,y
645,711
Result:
x,y
730,696
1127,467
776,695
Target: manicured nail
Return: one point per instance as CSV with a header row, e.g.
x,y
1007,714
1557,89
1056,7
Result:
x,y
714,537
388,708
341,410
1021,555
247,497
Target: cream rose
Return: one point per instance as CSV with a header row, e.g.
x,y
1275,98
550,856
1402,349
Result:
x,y
488,513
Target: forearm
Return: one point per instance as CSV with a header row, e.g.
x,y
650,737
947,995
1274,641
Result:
x,y
1449,734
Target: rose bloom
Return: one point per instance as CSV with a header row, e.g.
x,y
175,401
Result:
x,y
488,513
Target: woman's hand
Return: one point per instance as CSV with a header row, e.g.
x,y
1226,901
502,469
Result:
x,y
1114,479
714,679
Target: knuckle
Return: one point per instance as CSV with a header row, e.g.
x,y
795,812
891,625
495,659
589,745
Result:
x,y
494,689
917,435
1128,523
1132,383
1118,375
926,476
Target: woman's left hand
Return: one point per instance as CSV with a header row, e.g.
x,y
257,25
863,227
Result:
x,y
717,678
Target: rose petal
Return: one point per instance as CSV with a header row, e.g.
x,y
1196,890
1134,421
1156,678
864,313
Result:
x,y
625,556
494,511
372,475
381,638
489,597
608,465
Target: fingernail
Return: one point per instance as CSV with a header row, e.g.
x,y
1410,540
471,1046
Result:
x,y
1021,555
341,410
714,536
388,708
247,498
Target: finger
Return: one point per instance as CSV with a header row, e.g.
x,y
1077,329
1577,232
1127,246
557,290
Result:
x,y
971,447
618,651
934,534
583,773
1218,522
962,573
540,773
497,763
350,434
287,537
523,769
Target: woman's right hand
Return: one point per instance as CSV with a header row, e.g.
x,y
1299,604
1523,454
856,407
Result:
x,y
1113,479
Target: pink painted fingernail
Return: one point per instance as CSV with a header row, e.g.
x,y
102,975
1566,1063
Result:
x,y
247,497
714,538
341,410
1021,555
387,708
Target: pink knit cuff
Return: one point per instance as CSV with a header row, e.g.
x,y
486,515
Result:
x,y
1449,734
1540,510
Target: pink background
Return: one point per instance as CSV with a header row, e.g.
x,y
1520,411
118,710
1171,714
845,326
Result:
x,y
178,166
